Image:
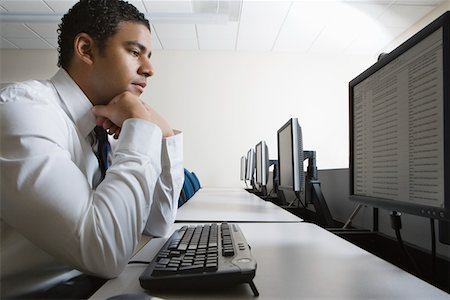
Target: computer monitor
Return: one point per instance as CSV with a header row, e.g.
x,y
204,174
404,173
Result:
x,y
400,127
243,167
250,170
262,164
290,157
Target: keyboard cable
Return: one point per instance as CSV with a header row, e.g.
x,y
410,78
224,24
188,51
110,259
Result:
x,y
433,248
136,262
396,224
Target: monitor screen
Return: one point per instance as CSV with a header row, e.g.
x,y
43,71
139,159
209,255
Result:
x,y
250,165
262,163
243,167
290,157
400,127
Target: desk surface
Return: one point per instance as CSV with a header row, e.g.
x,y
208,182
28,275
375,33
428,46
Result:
x,y
231,205
296,260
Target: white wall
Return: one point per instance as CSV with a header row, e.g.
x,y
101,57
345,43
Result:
x,y
18,65
226,102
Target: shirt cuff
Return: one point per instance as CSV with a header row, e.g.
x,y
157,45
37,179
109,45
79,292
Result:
x,y
172,150
139,136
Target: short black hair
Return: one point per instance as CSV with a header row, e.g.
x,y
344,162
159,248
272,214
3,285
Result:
x,y
98,18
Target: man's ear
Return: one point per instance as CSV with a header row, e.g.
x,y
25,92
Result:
x,y
83,46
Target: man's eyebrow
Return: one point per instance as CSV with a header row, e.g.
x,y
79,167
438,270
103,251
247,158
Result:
x,y
140,46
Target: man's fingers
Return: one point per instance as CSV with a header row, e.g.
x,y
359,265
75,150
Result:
x,y
101,112
125,106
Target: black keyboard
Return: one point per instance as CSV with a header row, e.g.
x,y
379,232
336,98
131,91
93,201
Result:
x,y
201,256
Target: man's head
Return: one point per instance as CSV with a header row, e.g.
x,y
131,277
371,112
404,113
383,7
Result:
x,y
105,46
99,19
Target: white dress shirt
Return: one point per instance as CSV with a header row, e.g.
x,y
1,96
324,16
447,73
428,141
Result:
x,y
56,215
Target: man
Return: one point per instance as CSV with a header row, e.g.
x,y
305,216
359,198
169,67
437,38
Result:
x,y
57,212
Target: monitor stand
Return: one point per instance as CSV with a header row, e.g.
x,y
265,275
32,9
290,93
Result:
x,y
313,192
444,232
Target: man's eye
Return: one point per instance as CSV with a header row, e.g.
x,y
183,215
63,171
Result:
x,y
135,53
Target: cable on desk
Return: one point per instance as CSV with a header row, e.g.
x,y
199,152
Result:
x,y
433,247
396,224
142,262
375,219
254,289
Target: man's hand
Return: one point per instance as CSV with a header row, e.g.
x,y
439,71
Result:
x,y
125,106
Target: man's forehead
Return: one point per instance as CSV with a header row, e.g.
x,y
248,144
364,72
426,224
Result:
x,y
127,27
134,32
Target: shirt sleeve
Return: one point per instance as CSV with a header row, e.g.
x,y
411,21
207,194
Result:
x,y
168,187
49,200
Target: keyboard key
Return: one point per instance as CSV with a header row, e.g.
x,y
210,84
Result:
x,y
228,253
174,253
164,261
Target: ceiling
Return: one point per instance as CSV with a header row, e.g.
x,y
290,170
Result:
x,y
311,27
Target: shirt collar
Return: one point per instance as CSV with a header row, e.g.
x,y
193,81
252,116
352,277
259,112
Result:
x,y
77,105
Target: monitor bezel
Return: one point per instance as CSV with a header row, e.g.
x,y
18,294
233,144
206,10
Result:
x,y
297,165
250,170
243,169
264,164
416,209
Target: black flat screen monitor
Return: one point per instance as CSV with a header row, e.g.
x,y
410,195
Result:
x,y
250,170
400,127
262,164
290,157
243,168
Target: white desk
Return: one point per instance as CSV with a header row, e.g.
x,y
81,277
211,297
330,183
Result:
x,y
296,260
231,205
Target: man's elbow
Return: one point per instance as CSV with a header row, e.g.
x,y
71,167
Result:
x,y
108,265
108,271
162,230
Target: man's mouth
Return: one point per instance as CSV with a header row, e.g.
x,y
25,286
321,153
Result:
x,y
140,86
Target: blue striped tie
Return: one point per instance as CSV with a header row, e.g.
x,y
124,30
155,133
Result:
x,y
104,149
